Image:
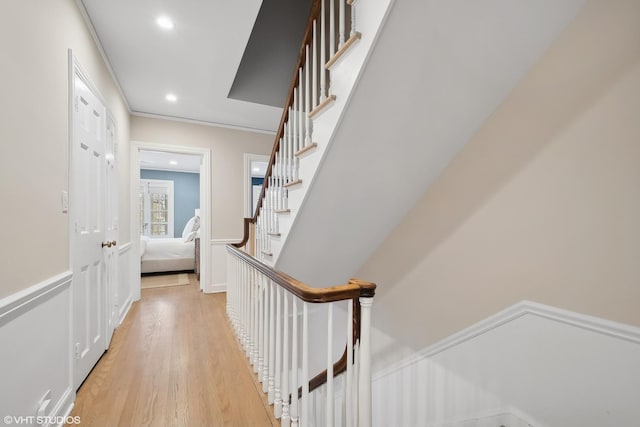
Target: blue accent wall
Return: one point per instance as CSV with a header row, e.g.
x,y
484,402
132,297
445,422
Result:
x,y
186,194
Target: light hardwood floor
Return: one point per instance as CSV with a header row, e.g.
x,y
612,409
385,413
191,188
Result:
x,y
174,361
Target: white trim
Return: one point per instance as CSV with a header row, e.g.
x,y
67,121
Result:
x,y
21,302
248,188
224,241
201,122
28,304
205,206
105,59
514,418
123,309
583,321
124,248
215,289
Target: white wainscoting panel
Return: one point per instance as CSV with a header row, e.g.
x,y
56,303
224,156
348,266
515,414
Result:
x,y
125,291
35,350
533,364
218,263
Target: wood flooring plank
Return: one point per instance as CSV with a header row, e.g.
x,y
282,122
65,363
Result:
x,y
174,361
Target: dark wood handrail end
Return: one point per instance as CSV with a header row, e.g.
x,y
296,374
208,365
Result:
x,y
367,289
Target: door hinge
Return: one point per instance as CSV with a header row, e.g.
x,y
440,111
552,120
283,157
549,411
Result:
x,y
77,350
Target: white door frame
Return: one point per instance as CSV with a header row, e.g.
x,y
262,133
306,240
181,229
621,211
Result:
x,y
248,191
205,207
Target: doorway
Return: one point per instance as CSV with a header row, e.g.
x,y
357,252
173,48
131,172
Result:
x,y
161,213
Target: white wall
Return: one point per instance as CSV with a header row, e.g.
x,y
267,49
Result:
x,y
34,41
528,365
542,204
35,296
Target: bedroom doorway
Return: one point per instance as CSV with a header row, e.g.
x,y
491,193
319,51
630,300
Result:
x,y
170,211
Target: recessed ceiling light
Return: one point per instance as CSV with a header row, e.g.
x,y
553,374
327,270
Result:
x,y
173,162
171,97
165,23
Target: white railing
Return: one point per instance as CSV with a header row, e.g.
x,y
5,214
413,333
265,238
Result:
x,y
328,25
273,316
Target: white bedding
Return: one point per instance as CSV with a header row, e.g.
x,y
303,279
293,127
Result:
x,y
166,254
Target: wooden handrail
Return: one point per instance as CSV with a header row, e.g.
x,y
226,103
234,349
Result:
x,y
353,290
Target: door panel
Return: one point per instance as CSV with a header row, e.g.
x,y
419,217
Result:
x,y
88,204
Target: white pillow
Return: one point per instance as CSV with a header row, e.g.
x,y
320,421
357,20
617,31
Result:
x,y
189,237
189,227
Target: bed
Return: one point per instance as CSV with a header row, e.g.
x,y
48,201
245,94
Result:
x,y
158,255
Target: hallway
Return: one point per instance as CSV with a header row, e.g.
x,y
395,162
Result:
x,y
174,361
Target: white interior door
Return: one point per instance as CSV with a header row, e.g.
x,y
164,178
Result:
x,y
88,195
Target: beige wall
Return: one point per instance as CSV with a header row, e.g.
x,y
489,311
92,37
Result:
x,y
543,203
227,163
34,39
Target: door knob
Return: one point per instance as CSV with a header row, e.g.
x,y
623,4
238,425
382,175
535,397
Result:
x,y
113,243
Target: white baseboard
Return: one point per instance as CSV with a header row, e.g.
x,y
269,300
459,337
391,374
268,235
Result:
x,y
124,309
217,288
35,331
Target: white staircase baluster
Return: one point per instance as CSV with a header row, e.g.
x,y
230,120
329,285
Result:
x,y
307,99
314,69
323,61
294,363
330,400
294,118
299,117
258,369
341,24
265,336
349,374
364,374
277,401
353,21
285,362
332,28
304,415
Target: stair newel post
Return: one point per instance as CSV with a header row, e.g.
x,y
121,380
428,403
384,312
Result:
x,y
341,24
323,60
285,363
277,401
329,408
294,364
304,415
364,385
314,74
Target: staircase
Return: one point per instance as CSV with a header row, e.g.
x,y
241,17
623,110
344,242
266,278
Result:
x,y
355,149
338,39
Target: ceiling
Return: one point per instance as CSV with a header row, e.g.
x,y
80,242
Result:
x,y
166,161
213,49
